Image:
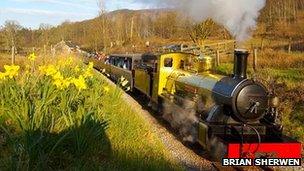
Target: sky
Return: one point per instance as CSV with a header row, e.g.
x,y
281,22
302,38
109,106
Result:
x,y
31,13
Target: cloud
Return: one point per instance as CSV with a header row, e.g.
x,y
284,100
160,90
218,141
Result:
x,y
84,4
43,12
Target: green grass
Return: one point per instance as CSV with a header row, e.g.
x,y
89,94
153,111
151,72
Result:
x,y
48,127
292,76
134,146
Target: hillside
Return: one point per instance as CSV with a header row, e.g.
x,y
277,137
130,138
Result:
x,y
129,30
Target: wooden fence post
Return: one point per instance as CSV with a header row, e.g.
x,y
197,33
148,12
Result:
x,y
13,55
217,57
255,59
289,45
44,49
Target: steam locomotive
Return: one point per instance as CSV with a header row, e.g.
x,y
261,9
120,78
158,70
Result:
x,y
214,110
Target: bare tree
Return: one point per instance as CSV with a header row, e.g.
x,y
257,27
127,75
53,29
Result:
x,y
11,29
103,24
45,36
201,31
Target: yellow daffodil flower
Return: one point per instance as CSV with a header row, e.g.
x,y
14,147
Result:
x,y
67,82
2,76
89,71
32,57
42,69
69,61
107,89
49,70
91,65
62,84
88,74
58,84
77,69
11,71
80,83
27,69
58,76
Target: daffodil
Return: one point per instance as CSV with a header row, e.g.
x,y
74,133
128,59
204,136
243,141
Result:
x,y
58,84
88,74
2,76
80,83
49,70
27,69
11,71
69,61
89,71
58,76
62,84
107,89
42,69
32,57
66,82
77,69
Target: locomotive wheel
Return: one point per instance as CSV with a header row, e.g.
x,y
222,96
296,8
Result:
x,y
216,148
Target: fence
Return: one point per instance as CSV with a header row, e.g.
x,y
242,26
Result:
x,y
219,50
225,48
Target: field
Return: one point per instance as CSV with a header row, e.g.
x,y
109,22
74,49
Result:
x,y
60,115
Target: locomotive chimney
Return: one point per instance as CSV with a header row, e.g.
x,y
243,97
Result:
x,y
240,63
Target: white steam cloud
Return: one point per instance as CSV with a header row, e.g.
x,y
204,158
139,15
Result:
x,y
237,16
183,118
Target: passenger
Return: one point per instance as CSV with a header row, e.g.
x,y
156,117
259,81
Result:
x,y
107,61
124,65
120,63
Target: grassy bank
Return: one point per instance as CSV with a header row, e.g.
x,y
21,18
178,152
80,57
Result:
x,y
63,116
134,146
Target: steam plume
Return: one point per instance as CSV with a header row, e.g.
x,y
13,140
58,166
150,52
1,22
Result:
x,y
183,118
237,16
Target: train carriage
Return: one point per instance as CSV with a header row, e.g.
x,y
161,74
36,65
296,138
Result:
x,y
118,66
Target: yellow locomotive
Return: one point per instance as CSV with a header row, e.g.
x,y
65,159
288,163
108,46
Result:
x,y
211,109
